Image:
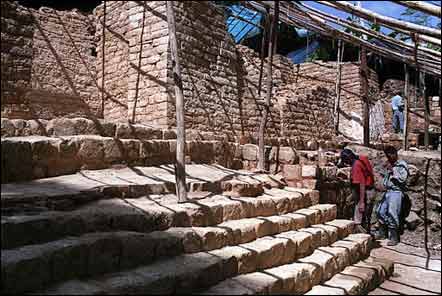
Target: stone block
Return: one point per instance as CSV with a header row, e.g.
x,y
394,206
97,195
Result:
x,y
242,187
91,152
250,152
113,151
16,161
292,172
310,171
310,184
7,128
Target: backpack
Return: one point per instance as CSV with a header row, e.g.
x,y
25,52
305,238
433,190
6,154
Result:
x,y
406,205
405,211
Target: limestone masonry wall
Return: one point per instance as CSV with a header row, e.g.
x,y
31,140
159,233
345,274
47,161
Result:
x,y
59,68
209,68
351,106
16,59
57,47
116,63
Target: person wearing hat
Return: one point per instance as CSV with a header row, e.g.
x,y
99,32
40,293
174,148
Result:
x,y
362,185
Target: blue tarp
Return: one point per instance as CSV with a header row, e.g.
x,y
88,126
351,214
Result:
x,y
302,54
240,29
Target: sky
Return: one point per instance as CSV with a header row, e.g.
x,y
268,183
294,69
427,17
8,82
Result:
x,y
387,8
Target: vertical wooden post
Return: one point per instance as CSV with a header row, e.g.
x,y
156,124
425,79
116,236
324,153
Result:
x,y
103,60
407,104
427,170
263,49
365,98
427,111
180,171
262,126
338,86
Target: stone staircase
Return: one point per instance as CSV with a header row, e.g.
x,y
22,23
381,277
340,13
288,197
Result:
x,y
121,230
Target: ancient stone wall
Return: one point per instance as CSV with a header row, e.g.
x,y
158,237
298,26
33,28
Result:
x,y
351,105
148,54
116,62
249,67
209,68
52,56
16,59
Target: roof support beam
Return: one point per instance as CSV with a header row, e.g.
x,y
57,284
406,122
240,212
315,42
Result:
x,y
381,19
423,7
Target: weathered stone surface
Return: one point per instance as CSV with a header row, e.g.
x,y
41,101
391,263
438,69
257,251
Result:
x,y
310,171
325,261
250,152
292,172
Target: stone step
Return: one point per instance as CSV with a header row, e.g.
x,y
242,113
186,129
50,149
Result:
x,y
37,157
66,191
358,279
295,278
185,273
160,212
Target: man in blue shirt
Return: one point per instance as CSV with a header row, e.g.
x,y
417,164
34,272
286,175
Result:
x,y
397,104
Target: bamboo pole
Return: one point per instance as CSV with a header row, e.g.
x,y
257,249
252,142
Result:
x,y
382,19
427,170
423,7
427,112
407,103
140,55
292,16
364,82
378,35
338,86
180,170
434,70
262,127
103,60
263,49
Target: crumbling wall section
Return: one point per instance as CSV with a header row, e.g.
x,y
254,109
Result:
x,y
16,59
351,105
249,68
51,54
307,111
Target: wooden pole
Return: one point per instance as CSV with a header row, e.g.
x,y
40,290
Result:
x,y
103,60
266,111
427,170
365,99
378,35
427,112
382,19
338,86
180,171
407,104
423,6
263,51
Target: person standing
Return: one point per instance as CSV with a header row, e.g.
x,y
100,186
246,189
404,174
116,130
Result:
x,y
398,106
389,209
362,185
